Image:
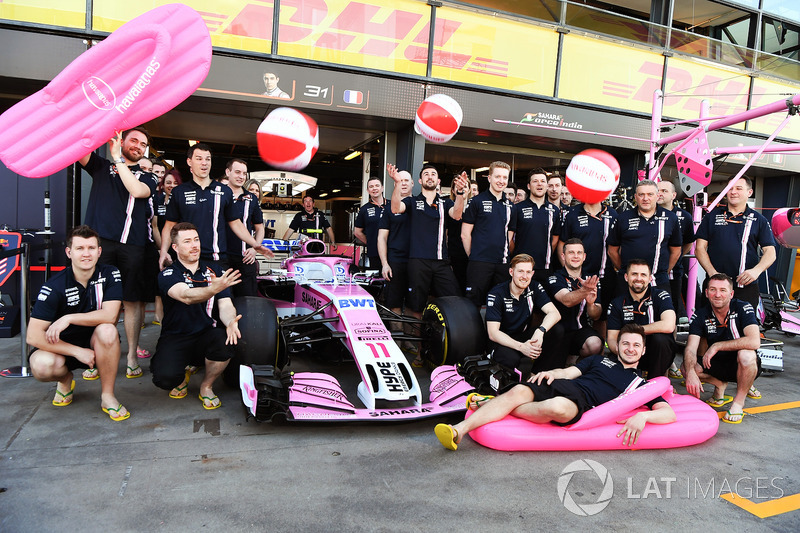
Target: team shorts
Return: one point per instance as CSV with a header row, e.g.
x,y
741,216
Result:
x,y
565,388
725,364
396,292
175,352
429,276
129,259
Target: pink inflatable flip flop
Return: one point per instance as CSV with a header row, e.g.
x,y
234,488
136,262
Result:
x,y
598,428
142,70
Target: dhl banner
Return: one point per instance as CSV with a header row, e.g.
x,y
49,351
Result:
x,y
67,13
766,92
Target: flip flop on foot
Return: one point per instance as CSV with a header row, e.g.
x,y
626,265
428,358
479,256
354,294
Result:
x,y
418,362
733,418
754,393
141,353
211,401
475,400
114,413
675,374
179,392
192,370
447,435
90,374
66,398
719,402
134,372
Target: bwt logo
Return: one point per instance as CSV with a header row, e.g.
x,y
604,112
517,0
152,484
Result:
x,y
357,302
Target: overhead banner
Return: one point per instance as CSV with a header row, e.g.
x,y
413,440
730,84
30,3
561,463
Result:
x,y
766,92
67,13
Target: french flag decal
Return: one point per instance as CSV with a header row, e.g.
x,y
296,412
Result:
x,y
353,97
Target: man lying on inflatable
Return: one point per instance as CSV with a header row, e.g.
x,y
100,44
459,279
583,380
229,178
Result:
x,y
562,396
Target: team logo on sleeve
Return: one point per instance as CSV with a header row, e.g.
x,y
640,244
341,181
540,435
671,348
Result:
x,y
490,300
44,293
116,275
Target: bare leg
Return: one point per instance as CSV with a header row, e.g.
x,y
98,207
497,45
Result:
x,y
133,327
495,409
48,366
214,370
159,314
745,376
105,343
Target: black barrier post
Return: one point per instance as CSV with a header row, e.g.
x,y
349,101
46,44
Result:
x,y
22,371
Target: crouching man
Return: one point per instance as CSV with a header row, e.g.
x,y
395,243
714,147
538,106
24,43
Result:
x,y
74,323
562,396
189,335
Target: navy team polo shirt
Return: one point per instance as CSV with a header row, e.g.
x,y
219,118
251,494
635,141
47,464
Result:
x,y
514,314
733,240
312,225
490,218
704,322
428,224
687,234
112,211
209,209
533,228
368,219
397,241
62,295
593,231
247,209
575,317
603,379
624,309
646,238
182,319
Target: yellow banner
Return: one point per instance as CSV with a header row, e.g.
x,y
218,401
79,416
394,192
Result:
x,y
609,74
494,52
68,13
766,92
235,24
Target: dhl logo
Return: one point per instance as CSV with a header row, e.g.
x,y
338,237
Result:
x,y
356,27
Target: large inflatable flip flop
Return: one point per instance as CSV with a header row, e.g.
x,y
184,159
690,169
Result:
x,y
598,428
142,70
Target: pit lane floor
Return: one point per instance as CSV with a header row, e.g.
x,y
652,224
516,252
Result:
x,y
176,467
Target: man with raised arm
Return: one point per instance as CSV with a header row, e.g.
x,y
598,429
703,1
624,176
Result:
x,y
247,209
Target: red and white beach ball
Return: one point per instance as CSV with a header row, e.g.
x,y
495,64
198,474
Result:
x,y
288,139
438,118
592,175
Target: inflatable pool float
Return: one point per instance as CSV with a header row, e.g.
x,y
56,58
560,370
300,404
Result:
x,y
142,70
597,429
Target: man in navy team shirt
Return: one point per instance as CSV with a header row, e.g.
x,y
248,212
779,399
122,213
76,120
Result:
x,y
648,232
368,220
73,323
535,226
484,233
649,307
666,199
517,336
247,209
191,288
428,264
208,204
576,297
561,396
310,222
725,336
119,210
728,239
592,223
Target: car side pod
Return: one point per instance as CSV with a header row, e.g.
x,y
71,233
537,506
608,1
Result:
x,y
139,72
597,430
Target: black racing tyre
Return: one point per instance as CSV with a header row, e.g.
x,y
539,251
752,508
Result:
x,y
260,342
452,330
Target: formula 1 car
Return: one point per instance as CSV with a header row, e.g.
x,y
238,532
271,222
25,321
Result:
x,y
321,309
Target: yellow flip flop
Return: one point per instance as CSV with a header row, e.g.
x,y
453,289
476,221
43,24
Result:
x,y
113,413
66,399
478,399
447,435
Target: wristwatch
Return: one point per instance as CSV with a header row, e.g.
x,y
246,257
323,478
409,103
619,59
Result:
x,y
542,329
119,160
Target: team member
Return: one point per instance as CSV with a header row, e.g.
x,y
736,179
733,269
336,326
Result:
x,y
208,205
521,196
119,210
725,335
73,323
562,396
191,287
368,219
473,188
535,226
566,200
666,199
310,222
271,85
577,301
648,232
160,170
484,233
728,239
591,223
649,307
516,337
428,264
455,247
247,209
554,186
510,192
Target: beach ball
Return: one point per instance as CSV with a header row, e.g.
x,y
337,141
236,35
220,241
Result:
x,y
592,175
287,139
438,118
